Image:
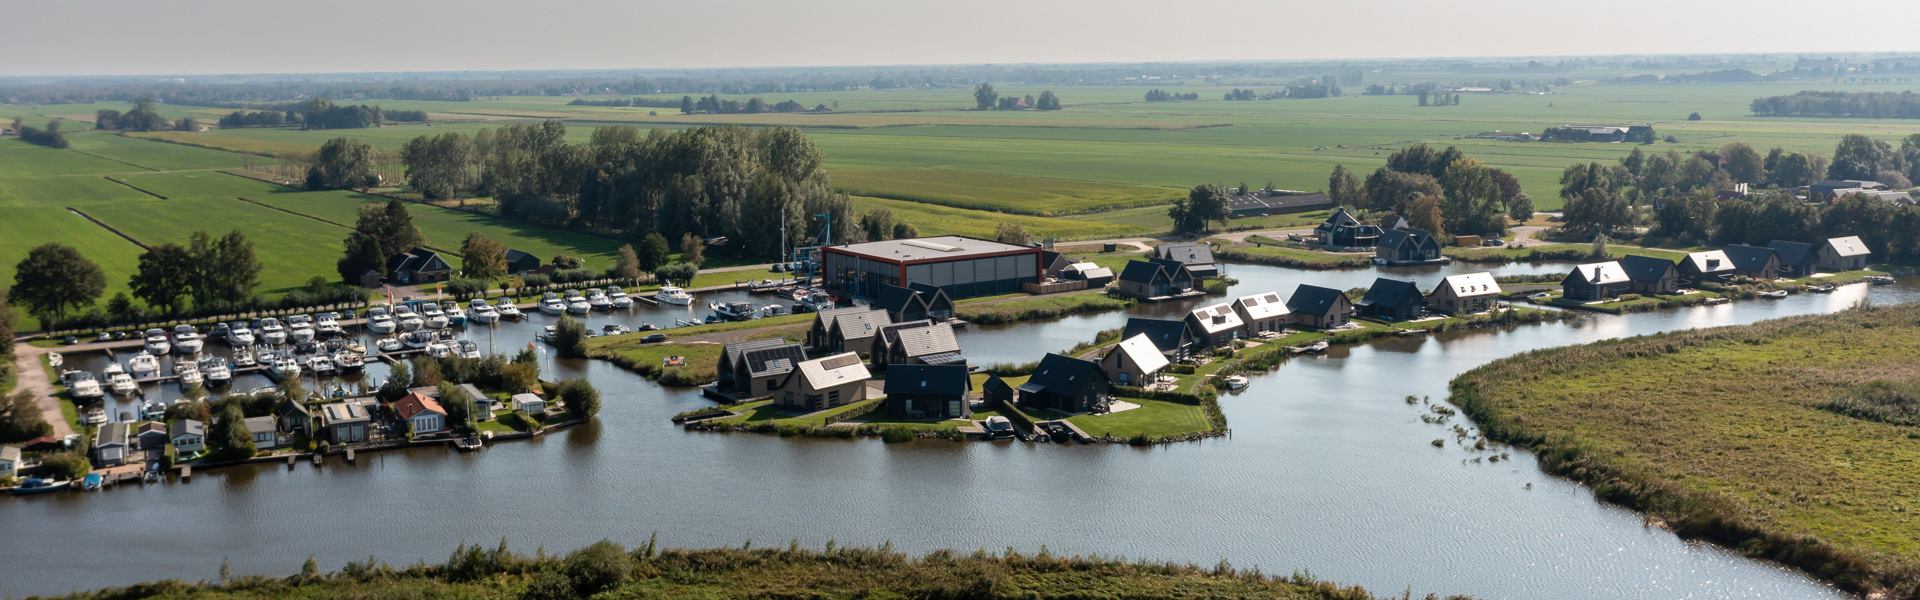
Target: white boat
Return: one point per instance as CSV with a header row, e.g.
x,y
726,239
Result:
x,y
186,340
96,417
350,362
551,304
1236,382
144,364
157,343
455,316
416,339
283,367
122,384
378,321
153,411
54,358
188,372
408,319
240,336
438,350
669,294
619,298
577,304
507,310
81,385
272,332
216,370
599,300
300,329
320,365
734,311
481,312
387,345
328,324
111,370
1773,295
467,349
243,357
435,318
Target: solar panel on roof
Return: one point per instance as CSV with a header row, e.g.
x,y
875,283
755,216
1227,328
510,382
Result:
x,y
842,361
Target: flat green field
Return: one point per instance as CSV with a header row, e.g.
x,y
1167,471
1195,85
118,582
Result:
x,y
933,219
1155,418
1004,193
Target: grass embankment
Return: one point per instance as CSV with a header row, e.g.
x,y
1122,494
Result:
x,y
1287,254
1040,308
1550,253
1155,419
1736,435
702,359
607,570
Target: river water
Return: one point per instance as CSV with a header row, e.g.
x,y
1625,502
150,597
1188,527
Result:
x,y
1328,470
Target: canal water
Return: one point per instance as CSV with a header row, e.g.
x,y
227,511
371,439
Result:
x,y
1328,470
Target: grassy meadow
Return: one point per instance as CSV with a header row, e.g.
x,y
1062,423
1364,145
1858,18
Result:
x,y
1731,435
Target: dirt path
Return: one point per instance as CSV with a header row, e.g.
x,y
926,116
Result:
x,y
33,379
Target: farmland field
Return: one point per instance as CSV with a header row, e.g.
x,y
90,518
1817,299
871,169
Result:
x,y
944,220
1004,193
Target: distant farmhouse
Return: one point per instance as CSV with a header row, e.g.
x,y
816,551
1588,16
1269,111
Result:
x,y
1261,203
1599,133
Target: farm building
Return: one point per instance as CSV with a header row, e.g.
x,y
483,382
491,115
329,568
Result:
x,y
1197,258
962,266
1649,275
1066,384
1170,336
1597,281
1409,245
1262,313
1215,326
1758,262
921,391
1462,294
1843,254
1145,279
1828,191
824,383
1709,266
1260,204
417,266
1095,275
1133,362
1315,306
520,262
1796,258
1343,230
1391,300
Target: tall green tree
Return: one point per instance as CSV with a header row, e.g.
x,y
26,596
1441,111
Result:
x,y
6,335
228,268
363,254
1596,211
482,258
627,265
458,404
653,251
1205,203
1520,208
878,223
440,167
1472,201
984,97
1048,101
580,398
1344,187
54,279
342,163
1744,164
1390,190
167,273
21,418
390,225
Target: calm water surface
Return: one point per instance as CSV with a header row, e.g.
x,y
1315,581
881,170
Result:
x,y
1327,470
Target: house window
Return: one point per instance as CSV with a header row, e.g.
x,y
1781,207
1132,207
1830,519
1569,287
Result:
x,y
833,398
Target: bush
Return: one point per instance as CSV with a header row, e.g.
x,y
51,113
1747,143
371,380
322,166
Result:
x,y
570,337
580,398
676,273
549,585
464,289
598,567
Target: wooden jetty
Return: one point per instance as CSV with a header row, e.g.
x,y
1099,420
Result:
x,y
349,455
186,473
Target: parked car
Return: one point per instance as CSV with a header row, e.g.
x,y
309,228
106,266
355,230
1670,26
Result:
x,y
1494,243
103,337
654,338
70,340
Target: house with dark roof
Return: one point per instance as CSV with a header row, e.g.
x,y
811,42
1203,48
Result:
x,y
520,262
1649,275
1597,281
1407,246
820,334
1392,300
294,416
854,331
1758,262
1170,336
1216,325
1342,230
1197,258
1797,259
152,435
1319,307
939,306
923,391
1710,266
1053,263
1146,279
926,343
902,304
824,383
884,340
1135,361
418,266
345,422
1843,254
754,368
1066,384
110,445
1465,293
1262,313
996,391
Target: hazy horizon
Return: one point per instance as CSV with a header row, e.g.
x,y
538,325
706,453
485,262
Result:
x,y
229,37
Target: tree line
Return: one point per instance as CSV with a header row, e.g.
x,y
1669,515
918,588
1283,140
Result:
x,y
322,113
1441,191
985,98
1158,95
142,117
1859,105
715,105
49,137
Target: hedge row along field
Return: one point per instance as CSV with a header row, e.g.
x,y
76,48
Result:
x,y
1753,437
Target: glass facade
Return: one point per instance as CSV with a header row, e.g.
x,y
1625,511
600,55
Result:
x,y
961,278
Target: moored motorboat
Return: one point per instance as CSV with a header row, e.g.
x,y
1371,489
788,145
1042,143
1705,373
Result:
x,y
153,410
216,371
378,321
388,344
417,339
157,343
577,304
243,357
122,384
1773,295
300,329
439,350
1236,382
455,316
598,300
467,349
507,310
144,364
619,298
82,386
734,311
239,335
764,286
550,304
35,485
272,332
435,318
408,320
670,294
283,367
187,340
321,365
188,372
348,361
328,324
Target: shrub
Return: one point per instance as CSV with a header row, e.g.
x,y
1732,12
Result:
x,y
549,585
598,567
570,337
580,398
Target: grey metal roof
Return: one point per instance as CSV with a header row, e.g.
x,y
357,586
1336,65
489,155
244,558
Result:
x,y
259,424
1066,375
1646,269
1186,253
730,355
1166,334
945,247
928,379
186,427
1141,271
1796,254
1391,292
1750,258
923,341
1313,299
1394,238
861,324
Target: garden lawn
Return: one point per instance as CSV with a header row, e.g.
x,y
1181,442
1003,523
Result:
x,y
1155,419
703,359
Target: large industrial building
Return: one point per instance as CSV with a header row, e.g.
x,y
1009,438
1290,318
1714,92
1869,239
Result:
x,y
965,267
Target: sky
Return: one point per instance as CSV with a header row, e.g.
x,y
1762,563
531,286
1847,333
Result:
x,y
139,37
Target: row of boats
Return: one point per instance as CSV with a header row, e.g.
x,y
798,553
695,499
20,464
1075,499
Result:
x,y
576,302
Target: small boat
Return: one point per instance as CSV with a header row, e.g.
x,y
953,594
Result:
x,y
387,344
216,370
186,340
123,384
439,350
507,310
1879,279
455,316
734,311
599,300
481,312
144,364
96,417
40,486
272,332
378,321
300,329
1314,348
551,304
153,411
1713,301
645,327
775,310
328,324
416,339
157,343
356,348
619,298
764,286
1824,288
91,483
669,294
466,349
239,335
150,476
188,372
1236,382
220,331
435,318
577,304
348,361
54,359
790,292
408,320
815,301
1773,295
283,367
321,365
82,386
614,329
243,357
